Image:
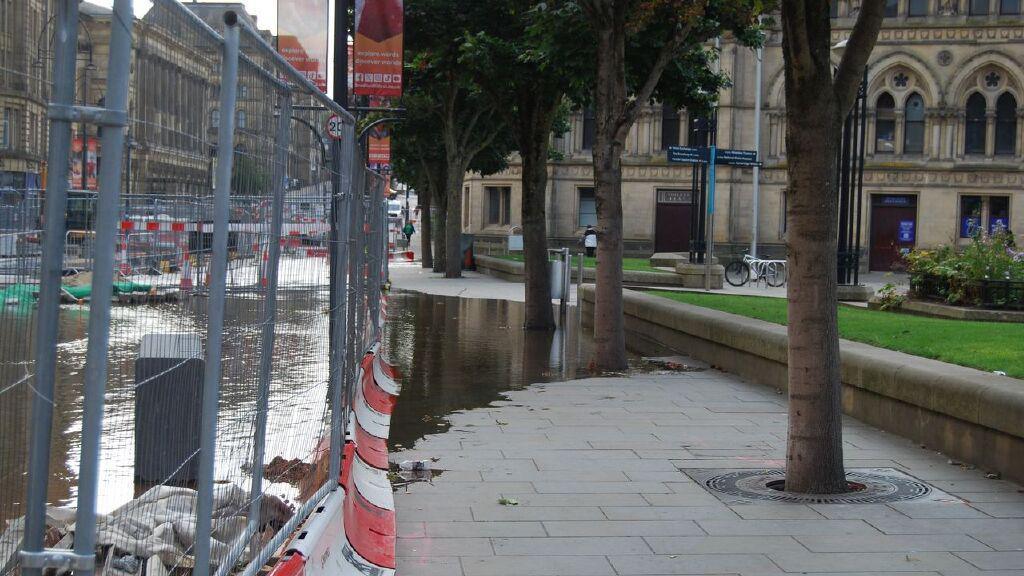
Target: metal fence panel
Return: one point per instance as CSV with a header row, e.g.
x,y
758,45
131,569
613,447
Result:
x,y
168,335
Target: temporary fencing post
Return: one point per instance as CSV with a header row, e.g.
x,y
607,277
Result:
x,y
341,190
373,264
358,181
66,35
280,173
218,285
107,215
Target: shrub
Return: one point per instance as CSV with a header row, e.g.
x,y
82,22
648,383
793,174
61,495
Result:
x,y
957,275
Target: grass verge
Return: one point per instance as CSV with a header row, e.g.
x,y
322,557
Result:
x,y
988,346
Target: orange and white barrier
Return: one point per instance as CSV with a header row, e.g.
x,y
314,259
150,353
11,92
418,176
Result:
x,y
354,532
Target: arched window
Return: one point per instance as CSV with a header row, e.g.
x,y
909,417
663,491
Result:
x,y
885,124
913,125
1006,124
975,132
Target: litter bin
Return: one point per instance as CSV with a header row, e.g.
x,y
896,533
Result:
x,y
557,278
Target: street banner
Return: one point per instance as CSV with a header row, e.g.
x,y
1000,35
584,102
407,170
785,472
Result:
x,y
76,181
378,48
380,148
302,37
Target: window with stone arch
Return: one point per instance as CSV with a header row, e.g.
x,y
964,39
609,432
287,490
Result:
x,y
1006,125
975,128
885,124
913,124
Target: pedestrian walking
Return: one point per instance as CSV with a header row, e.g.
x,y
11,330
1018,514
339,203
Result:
x,y
590,241
408,230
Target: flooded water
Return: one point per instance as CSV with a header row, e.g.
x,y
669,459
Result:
x,y
460,353
296,419
455,354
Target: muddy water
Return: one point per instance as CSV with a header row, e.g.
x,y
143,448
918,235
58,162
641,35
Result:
x,y
296,420
459,353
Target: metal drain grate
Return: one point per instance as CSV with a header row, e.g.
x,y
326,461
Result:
x,y
881,485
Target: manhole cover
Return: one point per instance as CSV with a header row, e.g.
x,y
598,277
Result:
x,y
880,485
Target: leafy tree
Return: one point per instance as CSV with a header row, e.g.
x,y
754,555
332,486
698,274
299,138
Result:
x,y
470,124
418,160
528,65
818,98
639,44
248,177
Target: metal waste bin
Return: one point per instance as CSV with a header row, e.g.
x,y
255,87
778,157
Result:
x,y
557,279
168,409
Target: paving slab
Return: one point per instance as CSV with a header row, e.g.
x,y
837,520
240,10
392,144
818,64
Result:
x,y
601,488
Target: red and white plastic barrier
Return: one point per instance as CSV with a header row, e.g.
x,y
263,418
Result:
x,y
354,533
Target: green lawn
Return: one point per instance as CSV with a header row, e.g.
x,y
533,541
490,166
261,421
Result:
x,y
635,264
987,346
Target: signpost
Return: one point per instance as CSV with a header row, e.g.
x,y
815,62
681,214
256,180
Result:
x,y
712,156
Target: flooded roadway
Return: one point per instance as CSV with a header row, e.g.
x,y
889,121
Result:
x,y
461,353
455,354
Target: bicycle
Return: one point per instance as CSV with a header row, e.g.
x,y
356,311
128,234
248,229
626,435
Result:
x,y
739,272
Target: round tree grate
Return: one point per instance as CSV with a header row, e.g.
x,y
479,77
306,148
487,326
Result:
x,y
874,487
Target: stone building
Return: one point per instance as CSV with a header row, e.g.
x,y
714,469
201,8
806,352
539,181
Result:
x,y
24,77
945,144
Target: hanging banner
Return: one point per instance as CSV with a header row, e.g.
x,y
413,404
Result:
x,y
76,180
380,149
378,47
302,37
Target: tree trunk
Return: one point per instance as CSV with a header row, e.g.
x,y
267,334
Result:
x,y
453,227
426,249
440,232
814,455
534,141
610,92
814,458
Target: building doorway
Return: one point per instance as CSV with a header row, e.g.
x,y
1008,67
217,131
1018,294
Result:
x,y
893,230
672,221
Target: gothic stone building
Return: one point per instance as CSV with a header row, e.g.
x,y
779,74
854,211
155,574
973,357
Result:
x,y
945,144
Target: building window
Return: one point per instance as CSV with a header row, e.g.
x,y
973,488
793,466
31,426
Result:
x,y
1009,7
975,131
215,118
589,128
243,91
587,207
970,215
917,8
499,205
978,8
913,125
885,124
998,214
1006,125
5,130
669,127
892,8
833,8
241,120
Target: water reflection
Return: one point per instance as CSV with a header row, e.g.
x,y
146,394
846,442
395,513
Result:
x,y
459,353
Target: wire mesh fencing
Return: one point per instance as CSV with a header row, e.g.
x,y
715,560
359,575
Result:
x,y
179,344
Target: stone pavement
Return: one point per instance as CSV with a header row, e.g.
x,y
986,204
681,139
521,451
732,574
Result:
x,y
594,468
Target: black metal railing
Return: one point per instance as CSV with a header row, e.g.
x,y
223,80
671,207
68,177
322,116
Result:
x,y
990,294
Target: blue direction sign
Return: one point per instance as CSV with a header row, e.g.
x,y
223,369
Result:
x,y
687,155
723,156
730,157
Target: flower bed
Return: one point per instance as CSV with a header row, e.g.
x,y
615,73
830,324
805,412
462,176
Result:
x,y
987,273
